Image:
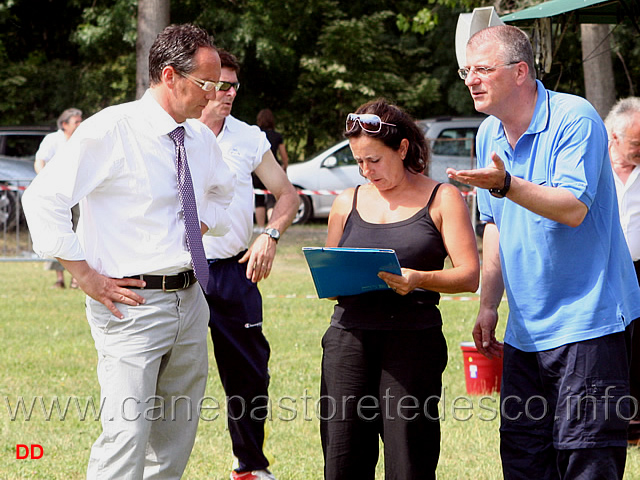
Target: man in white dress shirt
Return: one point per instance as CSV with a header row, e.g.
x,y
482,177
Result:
x,y
623,127
236,266
148,316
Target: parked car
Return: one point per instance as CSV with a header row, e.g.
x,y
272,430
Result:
x,y
322,178
18,147
452,141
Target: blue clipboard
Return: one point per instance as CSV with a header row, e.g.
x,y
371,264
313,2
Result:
x,y
349,271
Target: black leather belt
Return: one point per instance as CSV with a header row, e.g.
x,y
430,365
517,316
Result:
x,y
167,283
235,258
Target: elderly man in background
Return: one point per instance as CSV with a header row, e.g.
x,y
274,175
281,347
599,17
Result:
x,y
623,127
150,181
67,123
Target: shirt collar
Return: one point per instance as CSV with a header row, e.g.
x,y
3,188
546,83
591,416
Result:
x,y
231,124
160,120
540,119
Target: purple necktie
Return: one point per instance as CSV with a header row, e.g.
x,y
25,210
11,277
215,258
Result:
x,y
189,209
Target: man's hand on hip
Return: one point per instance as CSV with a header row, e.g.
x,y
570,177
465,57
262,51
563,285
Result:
x,y
105,290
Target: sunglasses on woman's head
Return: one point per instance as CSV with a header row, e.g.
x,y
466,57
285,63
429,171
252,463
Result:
x,y
369,122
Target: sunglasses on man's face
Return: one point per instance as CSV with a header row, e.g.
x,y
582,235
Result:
x,y
226,86
369,122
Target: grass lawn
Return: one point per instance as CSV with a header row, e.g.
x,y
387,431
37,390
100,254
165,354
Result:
x,y
48,355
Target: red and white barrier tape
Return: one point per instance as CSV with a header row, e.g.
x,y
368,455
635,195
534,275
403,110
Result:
x,y
258,191
303,191
12,188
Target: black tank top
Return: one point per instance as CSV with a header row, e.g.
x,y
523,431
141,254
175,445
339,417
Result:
x,y
419,246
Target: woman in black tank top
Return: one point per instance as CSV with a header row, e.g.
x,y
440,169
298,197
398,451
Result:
x,y
384,353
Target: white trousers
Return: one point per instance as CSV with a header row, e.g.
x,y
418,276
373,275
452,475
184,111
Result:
x,y
152,369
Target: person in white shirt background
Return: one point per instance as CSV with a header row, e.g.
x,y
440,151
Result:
x,y
67,123
236,266
148,316
623,128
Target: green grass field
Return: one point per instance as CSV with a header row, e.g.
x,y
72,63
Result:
x,y
47,354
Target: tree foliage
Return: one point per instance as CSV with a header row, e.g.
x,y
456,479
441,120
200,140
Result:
x,y
311,62
58,54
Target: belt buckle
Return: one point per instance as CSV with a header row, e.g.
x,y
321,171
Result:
x,y
164,288
185,276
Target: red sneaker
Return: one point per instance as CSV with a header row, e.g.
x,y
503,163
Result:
x,y
255,475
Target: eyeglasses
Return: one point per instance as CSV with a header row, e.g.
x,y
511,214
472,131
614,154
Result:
x,y
369,122
481,71
226,86
204,85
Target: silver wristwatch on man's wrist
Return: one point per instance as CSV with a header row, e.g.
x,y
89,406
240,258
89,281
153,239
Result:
x,y
273,233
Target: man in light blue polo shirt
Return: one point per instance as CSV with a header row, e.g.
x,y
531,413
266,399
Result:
x,y
554,242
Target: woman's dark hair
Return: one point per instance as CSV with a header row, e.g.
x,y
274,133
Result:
x,y
176,46
405,127
266,120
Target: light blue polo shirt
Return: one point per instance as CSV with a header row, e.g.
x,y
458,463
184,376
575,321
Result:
x,y
563,284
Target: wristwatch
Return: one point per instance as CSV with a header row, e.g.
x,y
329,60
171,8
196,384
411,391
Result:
x,y
273,233
502,192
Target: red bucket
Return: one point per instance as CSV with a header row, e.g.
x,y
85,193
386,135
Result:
x,y
482,376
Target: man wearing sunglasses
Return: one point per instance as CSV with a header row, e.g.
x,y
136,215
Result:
x,y
235,268
555,243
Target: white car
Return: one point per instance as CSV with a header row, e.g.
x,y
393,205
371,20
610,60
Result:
x,y
322,178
